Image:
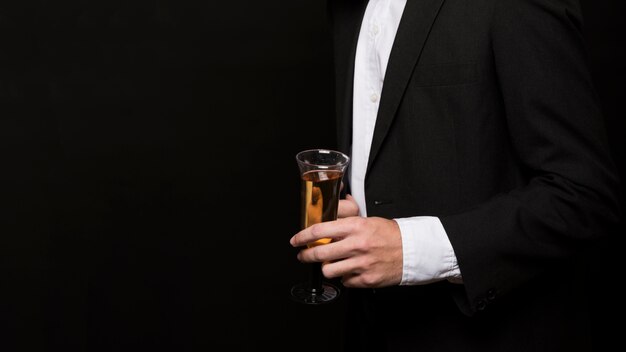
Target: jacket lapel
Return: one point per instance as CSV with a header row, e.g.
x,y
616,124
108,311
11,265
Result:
x,y
347,25
417,20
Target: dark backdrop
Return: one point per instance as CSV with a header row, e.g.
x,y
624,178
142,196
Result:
x,y
148,186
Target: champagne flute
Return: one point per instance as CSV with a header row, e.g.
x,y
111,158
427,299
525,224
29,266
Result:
x,y
321,174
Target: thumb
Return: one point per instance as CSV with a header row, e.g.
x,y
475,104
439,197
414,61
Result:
x,y
348,207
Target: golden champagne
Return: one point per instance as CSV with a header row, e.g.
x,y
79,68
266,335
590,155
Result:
x,y
320,198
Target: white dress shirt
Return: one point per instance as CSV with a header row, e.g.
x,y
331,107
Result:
x,y
428,255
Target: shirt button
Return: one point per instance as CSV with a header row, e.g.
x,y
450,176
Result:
x,y
375,29
374,98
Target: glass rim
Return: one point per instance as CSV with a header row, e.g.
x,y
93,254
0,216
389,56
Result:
x,y
322,150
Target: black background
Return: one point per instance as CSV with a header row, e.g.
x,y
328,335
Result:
x,y
148,180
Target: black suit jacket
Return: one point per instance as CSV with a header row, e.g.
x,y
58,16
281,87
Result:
x,y
488,119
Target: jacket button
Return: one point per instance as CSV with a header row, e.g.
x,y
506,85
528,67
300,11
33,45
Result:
x,y
491,294
481,305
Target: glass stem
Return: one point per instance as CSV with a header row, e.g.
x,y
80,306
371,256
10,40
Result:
x,y
315,278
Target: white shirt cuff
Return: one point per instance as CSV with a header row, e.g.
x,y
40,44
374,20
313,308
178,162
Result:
x,y
428,255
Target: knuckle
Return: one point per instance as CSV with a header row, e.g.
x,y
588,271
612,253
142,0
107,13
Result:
x,y
370,280
315,230
357,223
327,272
366,244
315,254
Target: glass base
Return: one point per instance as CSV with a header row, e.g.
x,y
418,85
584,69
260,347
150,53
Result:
x,y
303,293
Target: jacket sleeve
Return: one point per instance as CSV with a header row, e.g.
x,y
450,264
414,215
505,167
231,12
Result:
x,y
557,130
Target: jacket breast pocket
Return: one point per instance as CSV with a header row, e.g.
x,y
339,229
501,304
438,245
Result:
x,y
452,74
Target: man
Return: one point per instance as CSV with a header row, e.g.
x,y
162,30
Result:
x,y
480,175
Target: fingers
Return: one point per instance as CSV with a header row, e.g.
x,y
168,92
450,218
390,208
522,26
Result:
x,y
344,268
338,262
328,253
331,229
354,273
348,207
358,281
361,272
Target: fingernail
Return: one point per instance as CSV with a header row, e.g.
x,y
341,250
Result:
x,y
292,241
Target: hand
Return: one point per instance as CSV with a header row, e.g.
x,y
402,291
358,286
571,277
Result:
x,y
364,252
347,207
